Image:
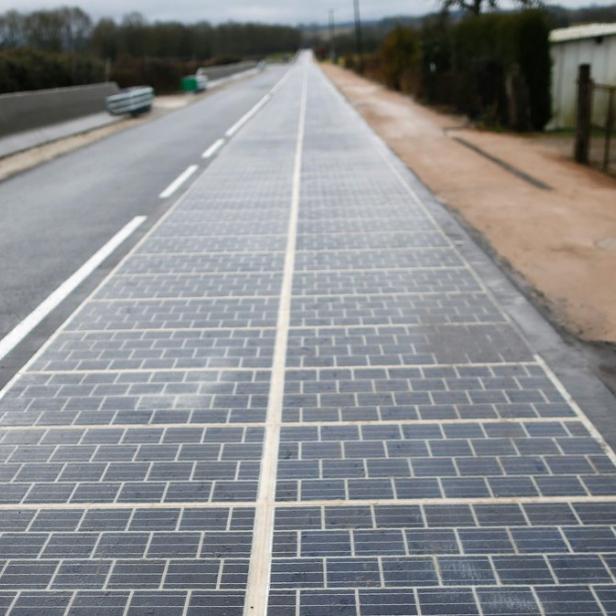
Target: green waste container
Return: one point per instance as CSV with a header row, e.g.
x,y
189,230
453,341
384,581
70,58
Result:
x,y
194,83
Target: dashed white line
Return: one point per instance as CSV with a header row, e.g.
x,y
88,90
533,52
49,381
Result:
x,y
14,337
213,149
181,179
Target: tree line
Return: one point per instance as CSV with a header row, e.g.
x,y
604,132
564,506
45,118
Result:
x,y
65,47
71,29
492,66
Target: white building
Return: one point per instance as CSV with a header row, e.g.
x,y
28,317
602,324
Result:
x,y
593,44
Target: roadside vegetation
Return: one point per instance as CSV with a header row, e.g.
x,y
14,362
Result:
x,y
492,66
64,47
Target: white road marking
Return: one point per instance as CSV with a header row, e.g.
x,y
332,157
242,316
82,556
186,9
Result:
x,y
310,504
581,415
14,337
257,590
248,116
356,369
178,181
114,272
213,148
386,154
300,424
349,270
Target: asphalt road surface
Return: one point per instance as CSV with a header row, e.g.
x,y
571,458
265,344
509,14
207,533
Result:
x,y
306,392
55,217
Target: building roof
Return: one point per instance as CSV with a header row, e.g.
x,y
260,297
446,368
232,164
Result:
x,y
586,31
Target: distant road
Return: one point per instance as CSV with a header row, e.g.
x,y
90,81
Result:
x,y
55,217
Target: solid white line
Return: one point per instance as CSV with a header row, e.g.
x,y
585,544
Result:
x,y
311,504
46,428
14,337
318,369
386,155
112,274
213,148
257,589
248,116
178,182
581,415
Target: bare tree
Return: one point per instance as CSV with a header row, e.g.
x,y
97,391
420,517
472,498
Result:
x,y
77,28
11,30
476,6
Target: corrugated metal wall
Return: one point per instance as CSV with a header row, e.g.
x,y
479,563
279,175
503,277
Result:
x,y
600,53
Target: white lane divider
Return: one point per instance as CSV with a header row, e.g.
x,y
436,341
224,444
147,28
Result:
x,y
178,181
213,148
236,127
16,335
257,588
248,116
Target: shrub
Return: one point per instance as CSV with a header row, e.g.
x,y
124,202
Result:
x,y
163,75
495,67
533,57
400,57
497,58
28,69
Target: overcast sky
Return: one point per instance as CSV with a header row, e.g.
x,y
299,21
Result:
x,y
279,11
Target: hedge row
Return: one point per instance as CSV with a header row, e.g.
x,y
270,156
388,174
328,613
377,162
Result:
x,y
495,68
163,75
27,69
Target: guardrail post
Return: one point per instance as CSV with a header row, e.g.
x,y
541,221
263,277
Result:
x,y
584,113
609,127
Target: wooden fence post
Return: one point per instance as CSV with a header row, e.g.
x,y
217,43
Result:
x,y
609,129
584,113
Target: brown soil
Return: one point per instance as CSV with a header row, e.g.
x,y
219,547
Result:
x,y
562,241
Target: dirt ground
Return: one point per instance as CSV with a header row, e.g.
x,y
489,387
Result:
x,y
561,241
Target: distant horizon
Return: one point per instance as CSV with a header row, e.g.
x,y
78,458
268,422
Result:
x,y
288,12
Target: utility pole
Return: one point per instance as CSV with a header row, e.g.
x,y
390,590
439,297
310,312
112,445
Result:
x,y
584,114
358,41
332,35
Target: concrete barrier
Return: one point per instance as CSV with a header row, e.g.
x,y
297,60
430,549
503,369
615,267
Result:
x,y
23,111
220,72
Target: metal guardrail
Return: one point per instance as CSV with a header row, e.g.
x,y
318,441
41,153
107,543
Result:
x,y
133,101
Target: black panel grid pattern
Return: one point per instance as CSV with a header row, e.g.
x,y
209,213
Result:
x,y
428,464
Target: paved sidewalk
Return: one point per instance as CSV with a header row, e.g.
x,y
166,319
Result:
x,y
297,396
